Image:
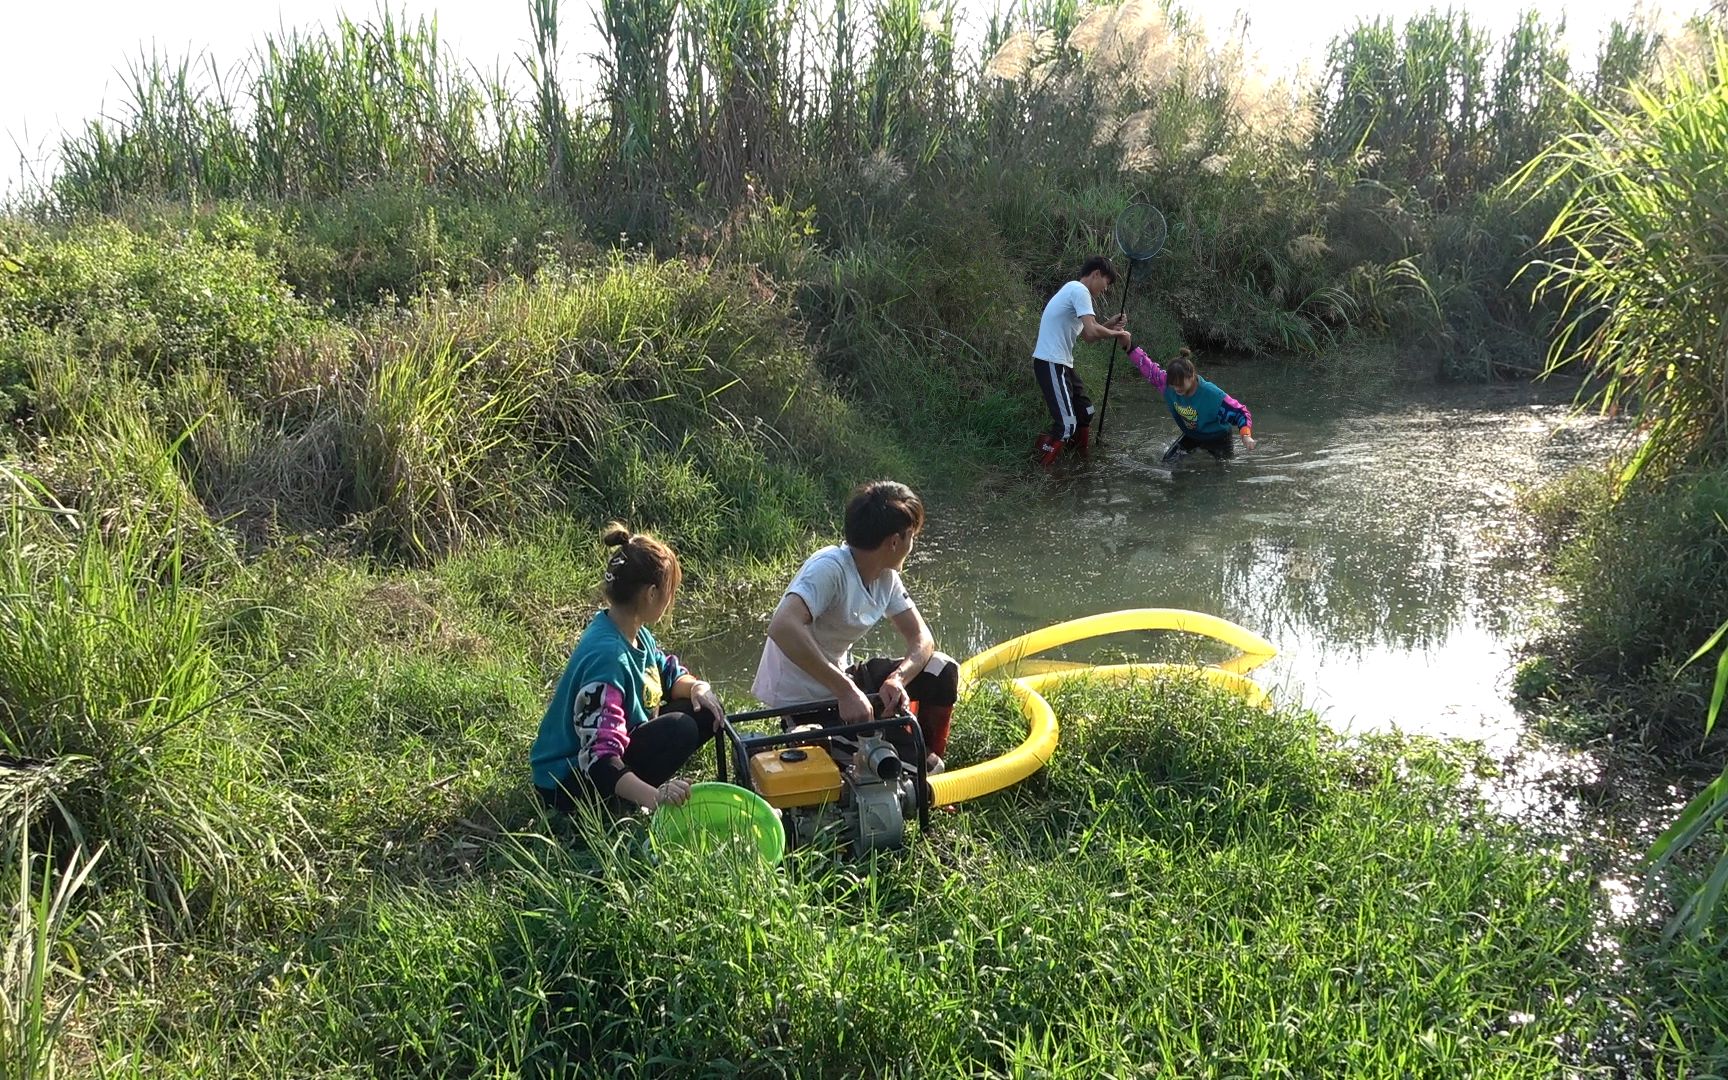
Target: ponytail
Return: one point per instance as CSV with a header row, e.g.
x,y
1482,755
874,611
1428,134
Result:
x,y
637,560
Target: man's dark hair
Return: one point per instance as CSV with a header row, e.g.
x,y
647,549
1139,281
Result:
x,y
1098,262
880,508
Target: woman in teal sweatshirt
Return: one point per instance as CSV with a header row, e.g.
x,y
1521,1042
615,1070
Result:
x,y
626,717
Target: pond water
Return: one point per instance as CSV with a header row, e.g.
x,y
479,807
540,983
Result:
x,y
1371,536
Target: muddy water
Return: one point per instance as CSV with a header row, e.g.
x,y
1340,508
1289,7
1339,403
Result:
x,y
1371,536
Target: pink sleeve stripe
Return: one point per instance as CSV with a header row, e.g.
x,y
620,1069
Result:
x,y
610,736
1236,414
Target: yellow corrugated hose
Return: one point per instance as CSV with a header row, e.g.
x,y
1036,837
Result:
x,y
1031,755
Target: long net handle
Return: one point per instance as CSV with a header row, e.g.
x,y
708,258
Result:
x,y
1110,374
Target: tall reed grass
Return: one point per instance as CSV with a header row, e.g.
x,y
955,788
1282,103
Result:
x,y
1048,123
1639,266
1638,249
308,114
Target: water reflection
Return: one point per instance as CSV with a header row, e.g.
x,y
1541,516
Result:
x,y
1360,537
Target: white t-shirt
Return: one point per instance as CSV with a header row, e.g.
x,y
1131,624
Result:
x,y
842,609
1061,324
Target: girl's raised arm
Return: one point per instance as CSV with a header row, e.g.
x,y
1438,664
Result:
x,y
1149,368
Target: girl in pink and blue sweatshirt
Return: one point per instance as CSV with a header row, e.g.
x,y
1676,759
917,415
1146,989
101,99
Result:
x,y
1207,417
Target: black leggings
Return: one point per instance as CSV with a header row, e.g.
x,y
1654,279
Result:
x,y
657,750
1219,446
929,688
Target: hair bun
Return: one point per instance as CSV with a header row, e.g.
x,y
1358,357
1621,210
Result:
x,y
1184,351
615,535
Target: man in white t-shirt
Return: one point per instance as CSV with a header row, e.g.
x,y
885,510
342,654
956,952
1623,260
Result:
x,y
837,596
1068,315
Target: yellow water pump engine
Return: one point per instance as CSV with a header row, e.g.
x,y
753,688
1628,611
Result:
x,y
831,780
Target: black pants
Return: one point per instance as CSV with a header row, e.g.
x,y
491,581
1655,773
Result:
x,y
940,687
657,750
1219,446
1065,397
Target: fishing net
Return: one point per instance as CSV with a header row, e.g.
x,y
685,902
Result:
x,y
1140,231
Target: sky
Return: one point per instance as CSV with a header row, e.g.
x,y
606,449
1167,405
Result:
x,y
62,63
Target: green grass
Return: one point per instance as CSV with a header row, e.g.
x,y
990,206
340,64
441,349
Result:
x,y
1243,891
1642,576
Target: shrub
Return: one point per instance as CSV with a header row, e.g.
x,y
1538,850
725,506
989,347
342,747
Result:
x,y
154,303
1645,578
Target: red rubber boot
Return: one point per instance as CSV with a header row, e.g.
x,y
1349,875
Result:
x,y
1046,449
1083,441
934,721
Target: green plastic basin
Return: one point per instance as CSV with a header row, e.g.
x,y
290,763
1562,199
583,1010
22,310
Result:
x,y
719,817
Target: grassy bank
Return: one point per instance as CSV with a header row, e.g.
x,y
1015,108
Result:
x,y
619,385
1640,551
1645,580
1193,884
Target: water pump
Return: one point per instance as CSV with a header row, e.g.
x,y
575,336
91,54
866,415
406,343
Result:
x,y
830,781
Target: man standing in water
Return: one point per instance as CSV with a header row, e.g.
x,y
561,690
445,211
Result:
x,y
1069,314
837,596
